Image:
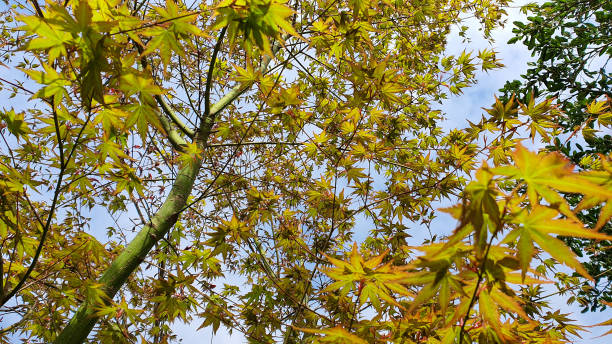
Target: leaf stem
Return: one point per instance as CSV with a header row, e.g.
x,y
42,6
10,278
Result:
x,y
481,271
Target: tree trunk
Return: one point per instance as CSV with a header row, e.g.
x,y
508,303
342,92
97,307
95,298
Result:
x,y
120,269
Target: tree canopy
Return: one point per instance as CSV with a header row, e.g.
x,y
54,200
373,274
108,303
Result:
x,y
262,165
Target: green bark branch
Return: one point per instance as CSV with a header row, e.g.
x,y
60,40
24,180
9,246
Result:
x,y
237,90
120,269
172,115
176,140
134,254
174,137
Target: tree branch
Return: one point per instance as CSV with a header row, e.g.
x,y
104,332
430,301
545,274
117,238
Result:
x,y
37,7
172,115
176,140
255,143
208,116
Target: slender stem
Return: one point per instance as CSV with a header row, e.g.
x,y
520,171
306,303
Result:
x,y
58,188
60,142
568,288
356,306
256,143
481,274
47,225
173,136
209,75
37,7
157,23
334,225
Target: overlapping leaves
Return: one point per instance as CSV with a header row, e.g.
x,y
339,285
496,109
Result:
x,y
503,229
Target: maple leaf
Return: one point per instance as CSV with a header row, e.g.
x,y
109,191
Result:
x,y
376,281
48,37
602,178
258,20
55,84
544,172
536,225
15,123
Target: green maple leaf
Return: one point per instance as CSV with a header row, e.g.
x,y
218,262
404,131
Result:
x,y
537,225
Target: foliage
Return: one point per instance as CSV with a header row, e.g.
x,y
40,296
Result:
x,y
216,163
572,42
